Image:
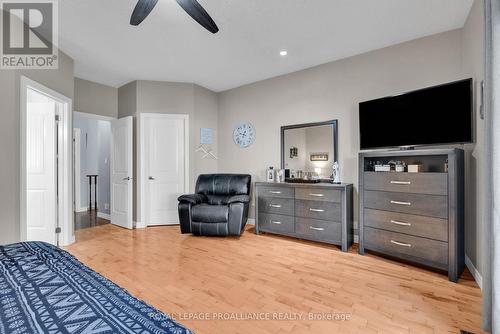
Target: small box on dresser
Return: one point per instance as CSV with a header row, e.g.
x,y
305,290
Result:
x,y
417,217
319,212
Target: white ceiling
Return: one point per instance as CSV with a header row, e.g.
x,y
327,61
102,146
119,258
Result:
x,y
170,46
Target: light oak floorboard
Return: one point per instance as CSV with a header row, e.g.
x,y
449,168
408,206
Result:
x,y
181,274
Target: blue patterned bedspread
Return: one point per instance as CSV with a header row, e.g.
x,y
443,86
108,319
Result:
x,y
46,290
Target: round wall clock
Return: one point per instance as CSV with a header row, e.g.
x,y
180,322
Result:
x,y
244,135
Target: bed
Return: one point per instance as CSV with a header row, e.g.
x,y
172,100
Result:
x,y
44,289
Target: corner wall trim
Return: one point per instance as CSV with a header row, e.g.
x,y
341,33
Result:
x,y
251,221
475,273
140,225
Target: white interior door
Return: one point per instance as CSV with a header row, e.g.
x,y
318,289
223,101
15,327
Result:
x,y
41,200
165,153
122,172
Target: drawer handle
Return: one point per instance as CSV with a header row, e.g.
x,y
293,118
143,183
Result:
x,y
400,223
401,203
275,222
401,182
275,192
317,195
316,228
316,210
275,206
400,244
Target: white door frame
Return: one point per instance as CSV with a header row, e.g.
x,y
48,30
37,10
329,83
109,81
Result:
x,y
78,205
77,134
142,159
65,176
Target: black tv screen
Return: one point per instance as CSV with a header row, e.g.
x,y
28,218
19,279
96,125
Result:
x,y
430,116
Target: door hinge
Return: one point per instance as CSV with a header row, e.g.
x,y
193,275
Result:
x,y
58,230
57,118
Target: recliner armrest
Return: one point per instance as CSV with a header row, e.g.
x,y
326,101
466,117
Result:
x,y
193,198
238,199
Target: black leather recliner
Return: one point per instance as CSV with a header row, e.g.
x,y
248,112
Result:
x,y
219,207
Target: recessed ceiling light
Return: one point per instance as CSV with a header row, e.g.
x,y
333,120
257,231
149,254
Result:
x,y
283,53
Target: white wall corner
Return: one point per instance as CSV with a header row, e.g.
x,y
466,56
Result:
x,y
140,225
475,273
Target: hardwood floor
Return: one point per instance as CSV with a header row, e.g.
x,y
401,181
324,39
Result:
x,y
88,219
187,277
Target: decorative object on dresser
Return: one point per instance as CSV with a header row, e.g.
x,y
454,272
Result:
x,y
319,212
414,216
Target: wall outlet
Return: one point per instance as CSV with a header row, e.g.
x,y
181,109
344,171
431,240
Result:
x,y
106,206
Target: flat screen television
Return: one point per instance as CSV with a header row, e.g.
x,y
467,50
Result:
x,y
430,116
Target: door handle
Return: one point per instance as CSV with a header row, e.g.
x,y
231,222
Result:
x,y
128,178
151,178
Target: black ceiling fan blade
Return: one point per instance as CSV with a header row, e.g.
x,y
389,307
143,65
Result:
x,y
199,14
141,11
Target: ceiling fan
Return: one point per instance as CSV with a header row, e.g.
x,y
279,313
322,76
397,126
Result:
x,y
192,7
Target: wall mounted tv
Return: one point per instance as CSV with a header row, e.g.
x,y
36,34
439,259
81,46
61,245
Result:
x,y
430,116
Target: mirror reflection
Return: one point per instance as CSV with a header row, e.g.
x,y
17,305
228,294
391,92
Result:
x,y
309,151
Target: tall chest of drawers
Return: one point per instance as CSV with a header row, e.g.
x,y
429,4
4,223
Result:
x,y
418,217
319,212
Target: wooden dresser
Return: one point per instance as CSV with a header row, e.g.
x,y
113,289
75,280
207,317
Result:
x,y
320,212
414,216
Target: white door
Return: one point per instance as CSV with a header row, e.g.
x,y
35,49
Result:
x,y
121,172
165,162
41,204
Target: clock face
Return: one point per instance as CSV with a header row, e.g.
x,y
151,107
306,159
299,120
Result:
x,y
244,135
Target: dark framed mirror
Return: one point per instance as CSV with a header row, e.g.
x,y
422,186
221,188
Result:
x,y
309,149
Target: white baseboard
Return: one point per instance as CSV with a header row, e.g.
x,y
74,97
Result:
x,y
82,209
251,221
140,225
103,215
475,273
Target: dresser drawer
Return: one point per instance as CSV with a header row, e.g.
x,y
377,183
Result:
x,y
418,204
276,191
418,183
421,250
276,223
316,194
420,226
281,206
319,230
318,210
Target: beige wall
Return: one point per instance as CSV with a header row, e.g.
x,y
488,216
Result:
x,y
330,91
473,66
94,98
60,80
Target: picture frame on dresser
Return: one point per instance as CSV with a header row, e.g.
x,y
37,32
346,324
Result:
x,y
417,217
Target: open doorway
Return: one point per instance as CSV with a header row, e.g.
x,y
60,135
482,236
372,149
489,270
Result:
x,y
92,146
46,187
